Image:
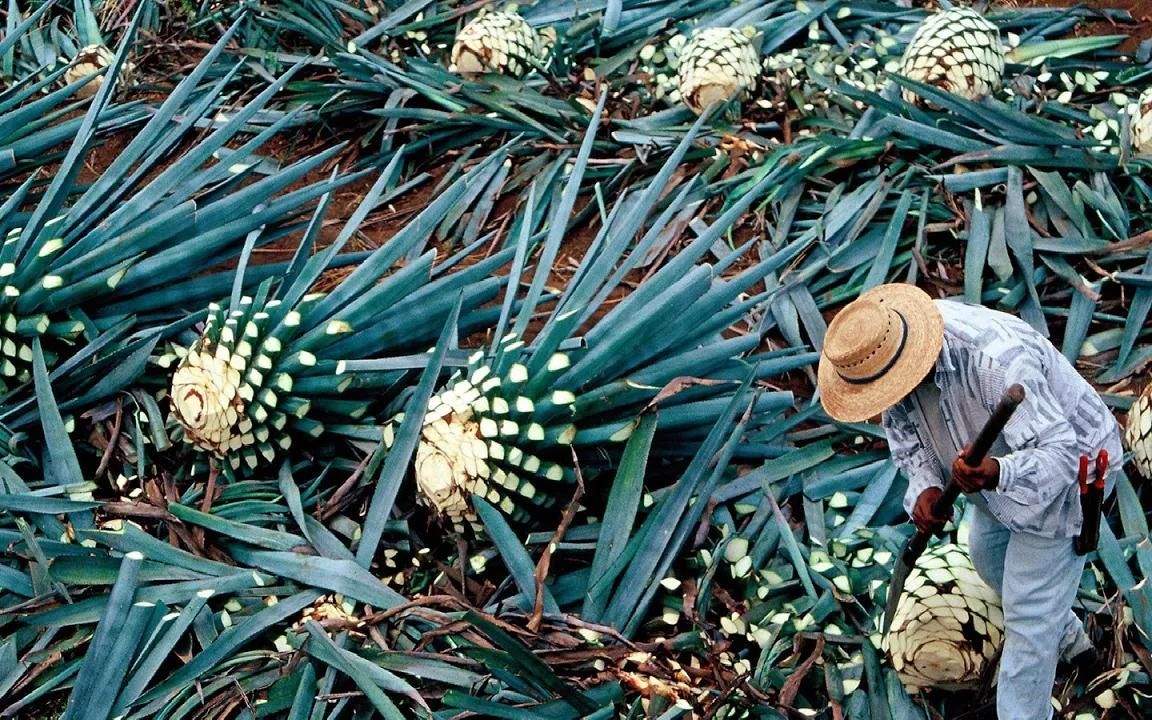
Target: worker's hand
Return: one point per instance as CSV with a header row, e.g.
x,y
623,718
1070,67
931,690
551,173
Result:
x,y
923,516
984,476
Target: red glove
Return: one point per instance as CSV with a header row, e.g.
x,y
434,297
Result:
x,y
984,476
923,516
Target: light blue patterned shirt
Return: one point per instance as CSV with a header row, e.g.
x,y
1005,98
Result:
x,y
1039,451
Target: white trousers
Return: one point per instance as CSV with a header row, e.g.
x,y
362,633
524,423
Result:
x,y
1036,579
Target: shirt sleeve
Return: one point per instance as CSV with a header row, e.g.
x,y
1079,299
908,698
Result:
x,y
911,455
1043,460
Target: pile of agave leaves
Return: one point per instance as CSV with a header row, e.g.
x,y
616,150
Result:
x,y
701,540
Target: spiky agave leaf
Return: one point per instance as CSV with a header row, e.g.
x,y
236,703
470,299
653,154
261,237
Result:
x,y
957,50
718,64
267,366
948,626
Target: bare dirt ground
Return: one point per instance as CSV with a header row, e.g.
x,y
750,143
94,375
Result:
x,y
1141,11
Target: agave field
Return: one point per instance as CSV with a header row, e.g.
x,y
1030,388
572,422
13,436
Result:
x,y
438,359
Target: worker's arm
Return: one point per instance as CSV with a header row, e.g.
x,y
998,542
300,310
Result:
x,y
911,455
1043,458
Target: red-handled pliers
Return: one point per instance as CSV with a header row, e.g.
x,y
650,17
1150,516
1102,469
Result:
x,y
1082,478
1091,502
1101,472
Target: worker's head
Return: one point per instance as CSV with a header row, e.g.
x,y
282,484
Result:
x,y
877,350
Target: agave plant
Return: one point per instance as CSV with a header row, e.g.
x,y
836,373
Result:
x,y
716,53
60,36
480,436
83,271
38,118
89,63
501,428
266,366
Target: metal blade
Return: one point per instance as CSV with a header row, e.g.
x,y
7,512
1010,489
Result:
x,y
896,587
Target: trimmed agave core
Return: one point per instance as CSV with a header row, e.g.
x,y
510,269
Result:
x,y
957,50
948,627
231,392
1138,432
498,42
1142,125
482,436
716,65
92,59
206,399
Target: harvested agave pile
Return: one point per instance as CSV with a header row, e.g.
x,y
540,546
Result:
x,y
445,361
795,72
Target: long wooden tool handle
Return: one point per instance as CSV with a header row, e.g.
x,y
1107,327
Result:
x,y
995,425
1013,396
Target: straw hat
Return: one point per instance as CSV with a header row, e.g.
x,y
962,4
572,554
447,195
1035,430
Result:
x,y
877,350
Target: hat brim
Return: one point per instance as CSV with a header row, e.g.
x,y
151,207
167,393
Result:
x,y
855,402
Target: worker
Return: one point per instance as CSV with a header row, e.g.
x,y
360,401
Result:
x,y
934,370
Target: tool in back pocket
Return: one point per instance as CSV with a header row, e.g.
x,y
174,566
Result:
x,y
1091,503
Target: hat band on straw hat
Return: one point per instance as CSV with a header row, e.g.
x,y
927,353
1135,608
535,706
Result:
x,y
891,361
